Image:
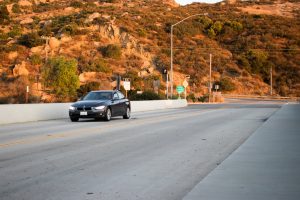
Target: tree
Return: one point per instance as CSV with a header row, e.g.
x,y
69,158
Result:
x,y
4,14
60,75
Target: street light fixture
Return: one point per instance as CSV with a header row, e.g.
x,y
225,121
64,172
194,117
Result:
x,y
172,27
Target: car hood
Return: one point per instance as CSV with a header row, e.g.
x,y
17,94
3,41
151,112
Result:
x,y
89,103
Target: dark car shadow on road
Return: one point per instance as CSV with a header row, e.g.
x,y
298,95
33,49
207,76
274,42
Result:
x,y
99,120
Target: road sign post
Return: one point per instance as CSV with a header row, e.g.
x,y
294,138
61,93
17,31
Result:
x,y
180,89
126,85
185,84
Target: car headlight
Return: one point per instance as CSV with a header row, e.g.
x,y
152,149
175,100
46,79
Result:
x,y
99,108
72,108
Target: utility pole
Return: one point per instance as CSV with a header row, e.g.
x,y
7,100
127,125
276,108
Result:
x,y
210,60
166,72
271,81
171,73
167,85
46,38
27,94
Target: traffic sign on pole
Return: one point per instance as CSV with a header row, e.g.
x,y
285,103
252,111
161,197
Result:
x,y
180,89
185,83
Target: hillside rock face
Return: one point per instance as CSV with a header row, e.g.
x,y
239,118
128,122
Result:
x,y
20,70
12,55
24,3
27,21
128,42
54,43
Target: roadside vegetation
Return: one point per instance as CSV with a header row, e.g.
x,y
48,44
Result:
x,y
94,41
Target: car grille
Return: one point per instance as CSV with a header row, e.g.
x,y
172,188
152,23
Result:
x,y
86,108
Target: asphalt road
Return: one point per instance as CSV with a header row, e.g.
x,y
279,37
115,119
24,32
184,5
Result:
x,y
154,155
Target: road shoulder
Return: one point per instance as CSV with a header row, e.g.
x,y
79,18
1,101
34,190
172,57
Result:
x,y
265,167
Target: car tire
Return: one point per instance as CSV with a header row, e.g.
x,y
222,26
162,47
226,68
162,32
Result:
x,y
127,114
108,114
74,119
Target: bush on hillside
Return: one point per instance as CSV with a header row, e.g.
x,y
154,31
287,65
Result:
x,y
112,51
146,95
30,40
84,89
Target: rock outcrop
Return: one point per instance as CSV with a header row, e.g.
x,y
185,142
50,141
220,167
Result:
x,y
24,3
20,70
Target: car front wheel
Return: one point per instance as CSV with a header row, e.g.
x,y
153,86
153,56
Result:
x,y
127,114
107,115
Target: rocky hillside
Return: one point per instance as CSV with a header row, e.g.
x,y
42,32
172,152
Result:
x,y
132,38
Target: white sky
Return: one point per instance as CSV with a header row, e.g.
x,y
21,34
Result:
x,y
184,2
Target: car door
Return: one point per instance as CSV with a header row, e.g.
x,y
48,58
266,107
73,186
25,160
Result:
x,y
115,105
122,103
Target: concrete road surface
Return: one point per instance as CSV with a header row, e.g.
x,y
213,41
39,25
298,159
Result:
x,y
265,167
154,155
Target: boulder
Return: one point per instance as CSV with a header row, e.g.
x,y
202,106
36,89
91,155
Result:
x,y
69,9
91,77
9,8
12,55
92,17
26,21
37,50
54,43
20,70
24,3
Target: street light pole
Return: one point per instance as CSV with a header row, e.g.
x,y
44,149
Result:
x,y
210,60
171,72
271,81
172,27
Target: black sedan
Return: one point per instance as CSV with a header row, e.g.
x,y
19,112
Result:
x,y
100,104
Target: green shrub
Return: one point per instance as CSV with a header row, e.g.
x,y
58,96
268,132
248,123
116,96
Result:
x,y
146,95
31,40
4,14
98,65
112,51
84,89
60,76
226,85
191,97
71,29
204,98
77,4
36,59
16,8
142,32
16,31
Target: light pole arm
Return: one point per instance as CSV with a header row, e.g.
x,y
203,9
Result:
x,y
172,26
202,14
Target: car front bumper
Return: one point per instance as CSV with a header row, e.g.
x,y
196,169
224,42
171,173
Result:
x,y
87,114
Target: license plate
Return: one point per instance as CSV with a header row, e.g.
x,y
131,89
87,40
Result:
x,y
83,113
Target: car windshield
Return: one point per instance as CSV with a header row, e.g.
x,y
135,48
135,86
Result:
x,y
98,96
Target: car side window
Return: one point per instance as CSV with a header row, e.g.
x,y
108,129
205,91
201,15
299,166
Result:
x,y
121,95
116,97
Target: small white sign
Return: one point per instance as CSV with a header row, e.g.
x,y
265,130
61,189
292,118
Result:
x,y
185,83
126,85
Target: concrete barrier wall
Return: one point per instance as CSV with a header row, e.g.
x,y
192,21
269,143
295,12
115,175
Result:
x,y
16,113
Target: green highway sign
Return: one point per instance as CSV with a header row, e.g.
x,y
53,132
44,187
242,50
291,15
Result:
x,y
180,89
